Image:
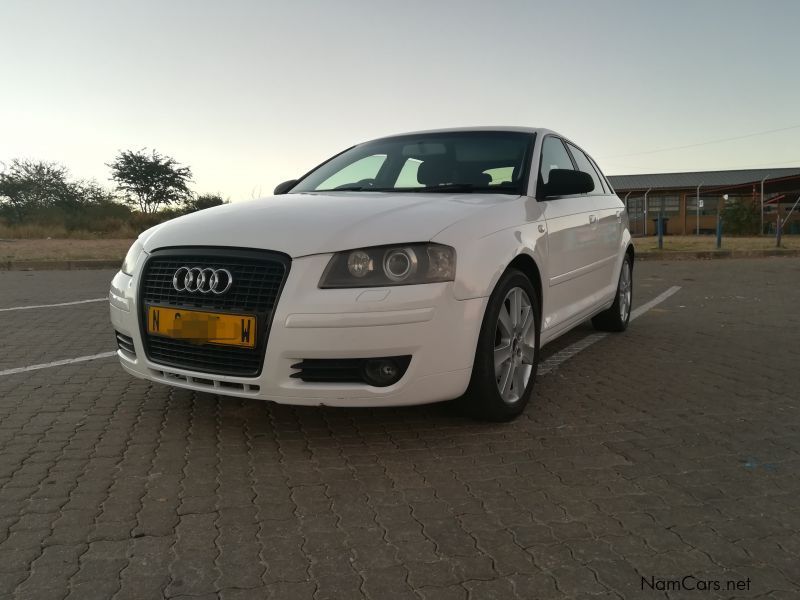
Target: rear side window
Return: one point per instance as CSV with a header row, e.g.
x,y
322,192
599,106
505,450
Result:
x,y
554,156
585,165
602,176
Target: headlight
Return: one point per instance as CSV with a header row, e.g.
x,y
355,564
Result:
x,y
403,264
132,257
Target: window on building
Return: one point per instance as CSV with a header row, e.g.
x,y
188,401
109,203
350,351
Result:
x,y
708,205
672,203
635,207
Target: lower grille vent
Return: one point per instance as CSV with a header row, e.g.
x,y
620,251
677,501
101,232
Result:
x,y
125,343
377,371
346,370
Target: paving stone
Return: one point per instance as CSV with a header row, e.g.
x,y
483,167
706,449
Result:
x,y
671,449
9,580
291,591
453,592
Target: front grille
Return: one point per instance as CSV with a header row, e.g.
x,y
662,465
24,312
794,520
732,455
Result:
x,y
258,278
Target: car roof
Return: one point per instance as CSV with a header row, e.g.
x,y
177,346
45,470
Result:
x,y
502,128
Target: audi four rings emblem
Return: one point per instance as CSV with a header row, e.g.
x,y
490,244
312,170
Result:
x,y
205,281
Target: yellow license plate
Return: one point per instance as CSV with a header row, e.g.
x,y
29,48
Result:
x,y
202,327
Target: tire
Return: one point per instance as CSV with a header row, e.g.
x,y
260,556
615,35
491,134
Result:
x,y
515,342
617,317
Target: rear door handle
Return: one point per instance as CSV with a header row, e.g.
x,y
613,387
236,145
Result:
x,y
619,216
592,219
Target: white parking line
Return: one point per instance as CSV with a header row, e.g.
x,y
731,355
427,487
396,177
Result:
x,y
553,362
638,312
57,363
104,299
547,366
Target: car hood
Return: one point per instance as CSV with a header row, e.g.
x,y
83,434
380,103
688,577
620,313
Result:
x,y
303,224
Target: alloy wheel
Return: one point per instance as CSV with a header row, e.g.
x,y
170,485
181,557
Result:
x,y
625,291
514,346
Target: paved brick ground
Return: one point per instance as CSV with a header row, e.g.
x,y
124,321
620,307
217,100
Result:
x,y
671,450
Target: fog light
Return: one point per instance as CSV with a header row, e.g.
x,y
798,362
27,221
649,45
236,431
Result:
x,y
381,372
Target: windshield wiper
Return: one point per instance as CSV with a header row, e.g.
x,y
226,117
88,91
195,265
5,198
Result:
x,y
450,187
466,188
345,188
444,188
358,188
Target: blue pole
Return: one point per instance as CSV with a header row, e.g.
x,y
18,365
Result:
x,y
719,231
660,232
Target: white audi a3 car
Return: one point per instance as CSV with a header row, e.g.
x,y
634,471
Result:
x,y
410,269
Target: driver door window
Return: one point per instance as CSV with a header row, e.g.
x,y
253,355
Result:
x,y
554,156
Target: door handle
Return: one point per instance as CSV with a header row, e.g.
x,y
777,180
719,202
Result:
x,y
592,219
619,216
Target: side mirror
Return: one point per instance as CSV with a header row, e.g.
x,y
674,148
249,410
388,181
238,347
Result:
x,y
284,187
566,182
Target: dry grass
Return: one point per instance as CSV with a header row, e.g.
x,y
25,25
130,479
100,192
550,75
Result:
x,y
115,249
63,249
41,232
708,242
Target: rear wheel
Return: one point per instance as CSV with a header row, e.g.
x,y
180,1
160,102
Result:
x,y
508,349
617,317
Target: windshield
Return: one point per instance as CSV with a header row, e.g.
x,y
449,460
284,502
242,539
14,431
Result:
x,y
455,162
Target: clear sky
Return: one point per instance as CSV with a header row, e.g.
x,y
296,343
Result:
x,y
251,92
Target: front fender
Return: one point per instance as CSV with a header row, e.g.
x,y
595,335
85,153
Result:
x,y
481,263
625,240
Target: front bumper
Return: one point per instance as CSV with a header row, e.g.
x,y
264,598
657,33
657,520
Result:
x,y
425,321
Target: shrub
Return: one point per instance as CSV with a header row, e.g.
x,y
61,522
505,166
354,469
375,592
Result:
x,y
740,217
204,201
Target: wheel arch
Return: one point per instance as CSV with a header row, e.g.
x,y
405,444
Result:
x,y
527,265
478,398
629,251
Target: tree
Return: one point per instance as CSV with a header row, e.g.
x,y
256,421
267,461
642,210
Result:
x,y
150,181
204,201
740,217
92,194
27,186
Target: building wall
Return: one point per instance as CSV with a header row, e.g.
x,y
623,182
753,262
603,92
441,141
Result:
x,y
681,213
